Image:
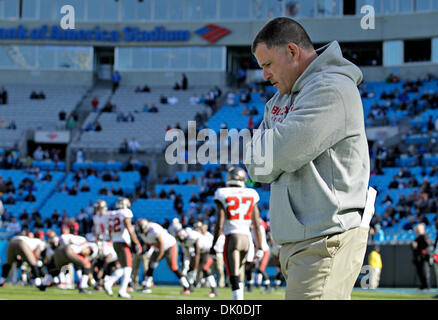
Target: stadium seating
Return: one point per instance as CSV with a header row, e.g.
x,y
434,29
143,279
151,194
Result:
x,y
149,129
37,114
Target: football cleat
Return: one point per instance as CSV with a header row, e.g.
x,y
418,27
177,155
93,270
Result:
x,y
108,288
82,290
147,290
124,295
186,292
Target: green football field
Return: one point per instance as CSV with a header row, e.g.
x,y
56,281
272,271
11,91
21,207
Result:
x,y
163,292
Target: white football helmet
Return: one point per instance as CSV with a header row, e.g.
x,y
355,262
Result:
x,y
123,203
144,225
236,176
100,206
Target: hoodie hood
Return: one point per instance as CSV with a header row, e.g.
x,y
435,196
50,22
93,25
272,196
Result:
x,y
329,60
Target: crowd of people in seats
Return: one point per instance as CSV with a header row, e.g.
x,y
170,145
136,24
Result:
x,y
37,95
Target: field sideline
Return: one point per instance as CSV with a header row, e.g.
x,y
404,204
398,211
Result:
x,y
165,292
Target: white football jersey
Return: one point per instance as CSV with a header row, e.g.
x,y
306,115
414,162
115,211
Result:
x,y
101,226
205,242
156,230
238,204
116,226
68,238
33,243
265,245
192,237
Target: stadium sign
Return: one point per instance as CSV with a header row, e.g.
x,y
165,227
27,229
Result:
x,y
128,34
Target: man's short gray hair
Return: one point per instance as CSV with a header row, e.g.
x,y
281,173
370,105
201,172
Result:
x,y
280,31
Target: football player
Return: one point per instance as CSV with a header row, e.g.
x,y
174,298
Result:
x,y
107,259
205,243
259,263
236,209
29,249
72,249
123,235
165,247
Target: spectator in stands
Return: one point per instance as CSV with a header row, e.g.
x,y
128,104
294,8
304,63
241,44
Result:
x,y
82,220
377,233
410,224
142,193
104,191
144,89
116,78
394,183
55,218
178,204
80,156
3,96
12,125
246,111
176,86
380,158
250,123
94,103
254,111
70,123
119,191
128,165
194,99
85,187
107,176
98,126
133,146
38,154
144,176
184,82
62,115
172,100
421,256
115,177
112,191
30,197
109,107
162,194
120,117
74,190
35,214
153,109
231,98
13,227
10,199
130,117
245,96
163,99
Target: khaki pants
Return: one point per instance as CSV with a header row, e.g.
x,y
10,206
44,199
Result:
x,y
324,267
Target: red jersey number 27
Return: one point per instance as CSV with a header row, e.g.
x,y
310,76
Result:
x,y
235,208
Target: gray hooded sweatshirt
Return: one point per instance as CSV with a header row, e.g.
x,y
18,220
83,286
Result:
x,y
320,161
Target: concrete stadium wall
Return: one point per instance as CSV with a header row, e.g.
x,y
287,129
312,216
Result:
x,y
46,77
169,78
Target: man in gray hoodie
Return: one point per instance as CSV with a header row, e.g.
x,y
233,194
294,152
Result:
x,y
320,162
